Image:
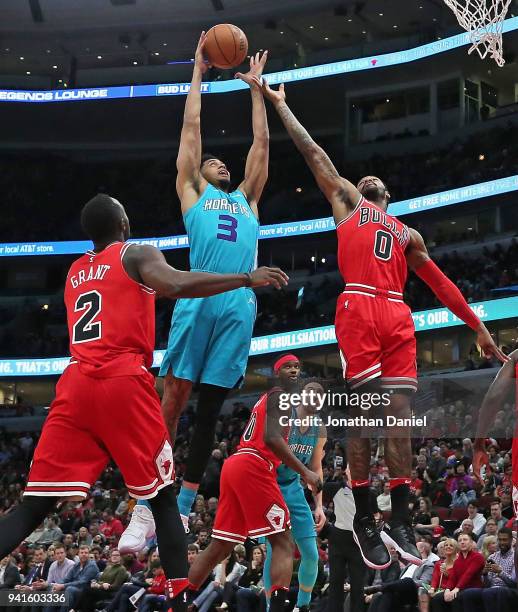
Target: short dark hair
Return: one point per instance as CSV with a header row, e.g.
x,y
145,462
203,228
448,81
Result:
x,y
506,531
426,538
100,217
473,503
465,533
206,156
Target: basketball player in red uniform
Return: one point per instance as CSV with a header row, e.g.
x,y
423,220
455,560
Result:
x,y
497,395
251,502
106,404
374,326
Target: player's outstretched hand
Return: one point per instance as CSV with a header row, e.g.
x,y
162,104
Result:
x,y
257,63
275,96
268,276
488,346
199,60
313,481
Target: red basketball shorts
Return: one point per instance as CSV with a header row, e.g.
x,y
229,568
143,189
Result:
x,y
376,337
250,503
93,419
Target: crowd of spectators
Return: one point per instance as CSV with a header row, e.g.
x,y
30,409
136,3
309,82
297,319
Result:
x,y
35,330
453,514
50,189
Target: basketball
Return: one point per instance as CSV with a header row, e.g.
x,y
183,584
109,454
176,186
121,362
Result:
x,y
226,46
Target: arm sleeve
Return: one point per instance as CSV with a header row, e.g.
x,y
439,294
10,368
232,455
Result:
x,y
447,292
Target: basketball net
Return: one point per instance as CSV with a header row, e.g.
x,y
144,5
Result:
x,y
484,21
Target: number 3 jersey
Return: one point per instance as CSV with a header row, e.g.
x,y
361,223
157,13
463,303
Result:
x,y
223,233
111,317
371,249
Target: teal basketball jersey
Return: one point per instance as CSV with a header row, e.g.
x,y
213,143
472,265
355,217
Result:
x,y
223,233
301,445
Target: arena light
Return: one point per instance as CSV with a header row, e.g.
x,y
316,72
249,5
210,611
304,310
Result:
x,y
348,66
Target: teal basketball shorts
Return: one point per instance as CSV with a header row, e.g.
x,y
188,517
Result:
x,y
209,340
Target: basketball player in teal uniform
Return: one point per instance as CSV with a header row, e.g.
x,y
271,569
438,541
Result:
x,y
210,338
306,442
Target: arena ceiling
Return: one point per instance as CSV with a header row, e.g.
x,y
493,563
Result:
x,y
114,33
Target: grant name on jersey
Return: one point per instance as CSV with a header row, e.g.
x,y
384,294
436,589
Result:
x,y
224,204
371,215
96,272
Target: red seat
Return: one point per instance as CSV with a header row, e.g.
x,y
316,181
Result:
x,y
458,514
485,501
442,513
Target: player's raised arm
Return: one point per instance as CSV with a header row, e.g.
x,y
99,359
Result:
x,y
448,293
495,398
274,439
341,193
188,180
256,169
147,265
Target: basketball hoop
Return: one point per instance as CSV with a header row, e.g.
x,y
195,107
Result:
x,y
484,21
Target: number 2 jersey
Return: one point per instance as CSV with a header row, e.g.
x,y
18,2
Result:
x,y
371,250
111,317
223,233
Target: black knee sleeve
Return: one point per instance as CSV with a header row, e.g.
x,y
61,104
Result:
x,y
171,539
210,401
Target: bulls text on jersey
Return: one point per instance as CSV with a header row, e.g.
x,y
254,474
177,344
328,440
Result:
x,y
373,215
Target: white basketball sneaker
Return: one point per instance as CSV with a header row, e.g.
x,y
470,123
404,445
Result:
x,y
140,529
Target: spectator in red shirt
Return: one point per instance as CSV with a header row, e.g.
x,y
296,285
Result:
x,y
466,573
154,599
447,551
416,484
111,527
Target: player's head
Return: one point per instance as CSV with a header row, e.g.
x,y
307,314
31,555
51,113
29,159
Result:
x,y
374,189
104,220
287,370
313,395
214,171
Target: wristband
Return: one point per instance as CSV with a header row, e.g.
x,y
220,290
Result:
x,y
248,279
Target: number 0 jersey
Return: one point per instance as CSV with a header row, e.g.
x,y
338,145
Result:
x,y
252,440
111,317
371,250
223,233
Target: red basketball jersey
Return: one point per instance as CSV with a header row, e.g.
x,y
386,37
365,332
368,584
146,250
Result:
x,y
111,317
371,248
252,439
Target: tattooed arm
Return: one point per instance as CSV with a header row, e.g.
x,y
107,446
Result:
x,y
341,194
